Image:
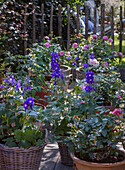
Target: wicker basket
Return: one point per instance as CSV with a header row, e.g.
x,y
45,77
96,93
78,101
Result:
x,y
19,158
65,155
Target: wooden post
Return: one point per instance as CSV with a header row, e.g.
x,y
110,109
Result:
x,y
77,23
34,30
120,35
60,24
68,28
102,19
124,8
94,20
112,27
51,21
77,20
25,32
86,22
42,22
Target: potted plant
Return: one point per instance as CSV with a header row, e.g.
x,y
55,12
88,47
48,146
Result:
x,y
121,68
59,107
93,143
22,134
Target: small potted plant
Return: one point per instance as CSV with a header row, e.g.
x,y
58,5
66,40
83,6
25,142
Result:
x,y
121,68
21,135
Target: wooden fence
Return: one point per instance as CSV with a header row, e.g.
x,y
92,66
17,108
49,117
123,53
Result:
x,y
69,24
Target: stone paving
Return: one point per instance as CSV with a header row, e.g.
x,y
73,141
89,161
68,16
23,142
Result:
x,y
51,159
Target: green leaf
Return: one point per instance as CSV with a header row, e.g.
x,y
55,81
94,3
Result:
x,y
104,132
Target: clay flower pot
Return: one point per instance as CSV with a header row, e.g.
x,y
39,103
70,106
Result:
x,y
84,165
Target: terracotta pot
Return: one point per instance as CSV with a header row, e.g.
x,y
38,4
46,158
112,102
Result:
x,y
84,165
111,108
42,95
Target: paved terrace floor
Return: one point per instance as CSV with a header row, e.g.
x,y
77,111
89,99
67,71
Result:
x,y
51,158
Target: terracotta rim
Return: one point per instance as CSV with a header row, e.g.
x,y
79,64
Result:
x,y
91,164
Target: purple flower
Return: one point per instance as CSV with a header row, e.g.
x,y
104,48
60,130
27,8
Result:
x,y
105,38
120,54
74,45
68,58
110,40
1,86
94,36
85,65
46,37
76,58
89,74
90,77
25,105
88,88
92,56
28,103
55,66
73,64
30,100
12,76
47,44
90,80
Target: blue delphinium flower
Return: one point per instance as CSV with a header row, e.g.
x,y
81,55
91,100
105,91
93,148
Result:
x,y
1,86
25,105
26,85
76,58
85,65
28,103
90,77
92,56
88,88
68,58
55,66
73,64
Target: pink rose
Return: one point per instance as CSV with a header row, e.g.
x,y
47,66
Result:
x,y
115,53
104,64
120,53
116,112
85,47
82,86
96,64
61,53
74,45
68,53
46,37
94,36
110,40
102,51
92,61
118,97
47,44
105,38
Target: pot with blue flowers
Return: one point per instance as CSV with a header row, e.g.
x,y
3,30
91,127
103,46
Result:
x,y
21,141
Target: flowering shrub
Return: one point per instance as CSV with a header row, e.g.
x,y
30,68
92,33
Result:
x,y
95,139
